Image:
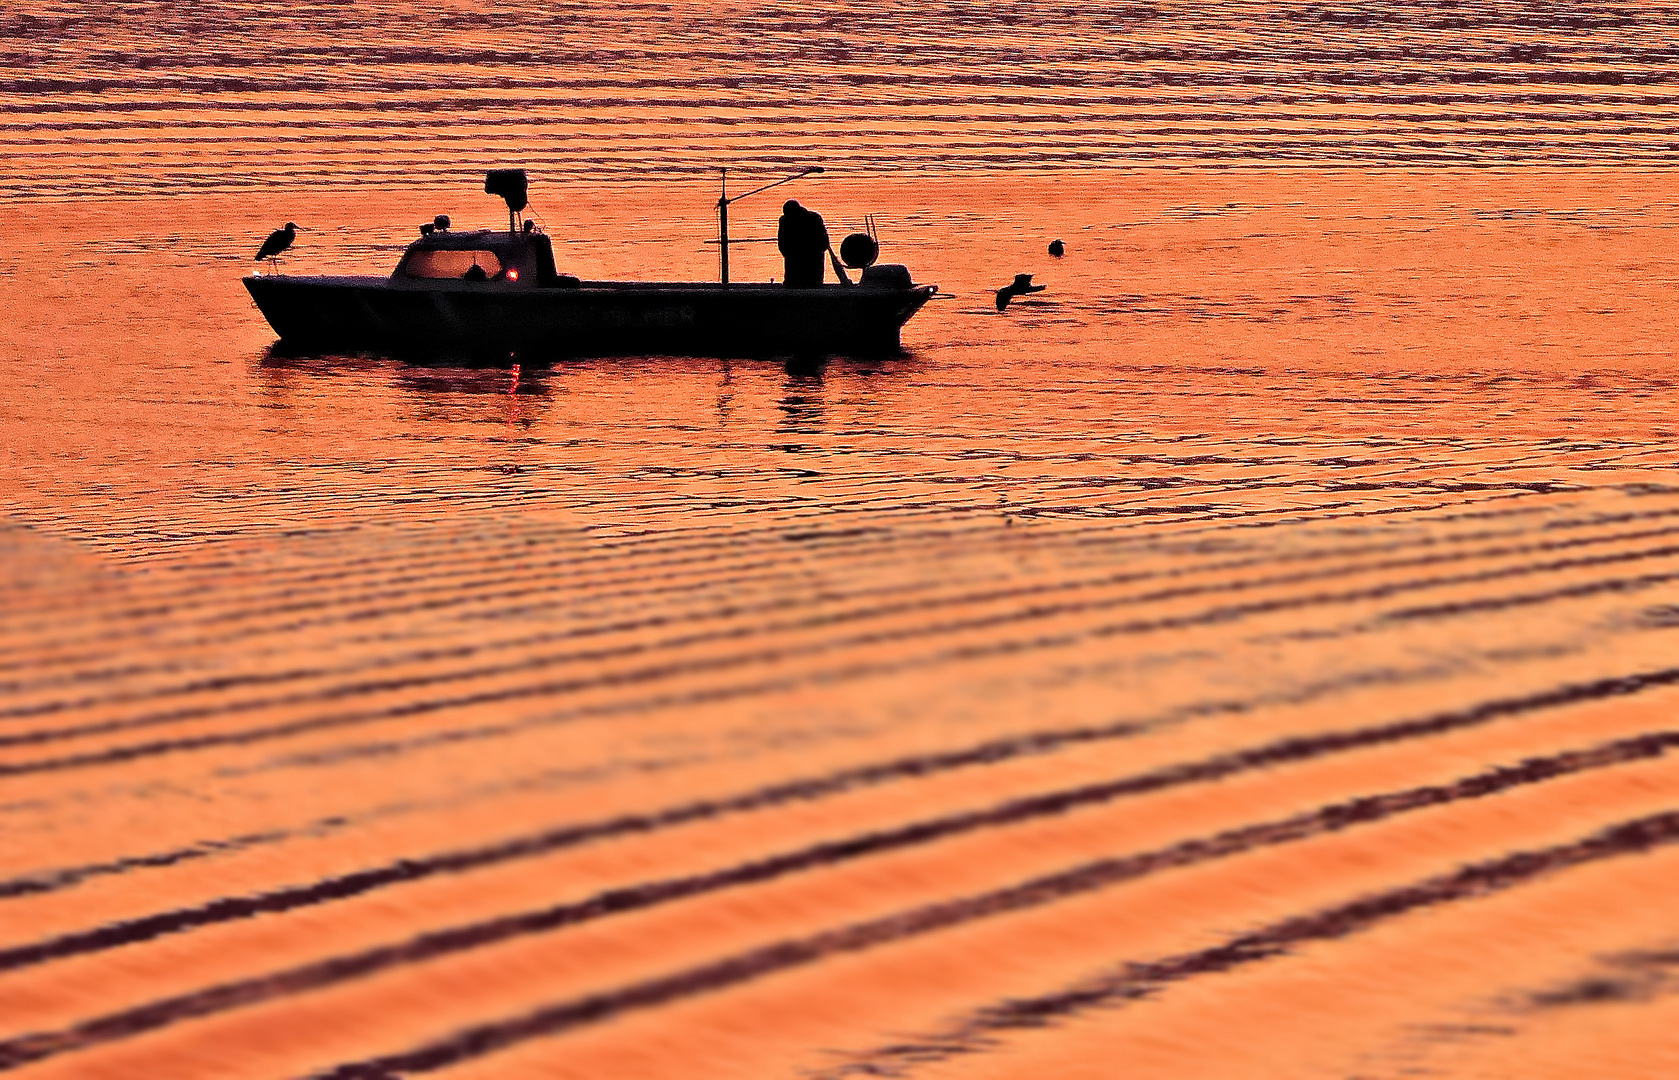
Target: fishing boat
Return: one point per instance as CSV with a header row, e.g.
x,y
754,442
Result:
x,y
489,290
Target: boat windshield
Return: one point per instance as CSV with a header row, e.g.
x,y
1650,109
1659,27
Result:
x,y
452,264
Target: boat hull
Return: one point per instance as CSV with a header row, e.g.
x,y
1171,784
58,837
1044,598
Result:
x,y
591,319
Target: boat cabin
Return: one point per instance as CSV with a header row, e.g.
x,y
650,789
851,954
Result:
x,y
507,258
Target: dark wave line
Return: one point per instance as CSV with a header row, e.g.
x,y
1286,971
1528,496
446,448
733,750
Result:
x,y
1261,158
656,672
692,550
55,880
1327,147
1260,516
1224,613
402,585
922,130
997,749
1503,603
935,131
571,600
223,683
1259,521
1143,979
1283,751
1480,879
564,73
1087,535
397,82
434,944
1059,61
1383,676
1087,121
1077,144
29,187
898,97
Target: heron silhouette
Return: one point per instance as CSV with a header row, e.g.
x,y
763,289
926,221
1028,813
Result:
x,y
278,241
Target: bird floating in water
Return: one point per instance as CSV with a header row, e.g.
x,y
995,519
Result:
x,y
1057,248
278,241
1021,285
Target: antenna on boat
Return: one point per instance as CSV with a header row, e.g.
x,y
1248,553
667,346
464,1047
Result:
x,y
723,202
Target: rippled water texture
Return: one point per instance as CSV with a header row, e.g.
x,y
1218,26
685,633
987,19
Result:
x,y
130,97
1254,656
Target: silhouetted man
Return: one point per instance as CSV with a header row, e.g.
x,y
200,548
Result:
x,y
803,240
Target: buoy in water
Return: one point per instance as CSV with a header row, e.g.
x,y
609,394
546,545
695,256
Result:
x,y
1057,248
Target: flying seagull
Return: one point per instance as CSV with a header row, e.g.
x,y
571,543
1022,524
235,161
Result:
x,y
1022,284
278,241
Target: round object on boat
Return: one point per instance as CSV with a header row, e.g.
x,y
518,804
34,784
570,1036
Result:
x,y
440,222
859,250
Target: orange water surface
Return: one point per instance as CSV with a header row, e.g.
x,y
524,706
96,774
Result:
x,y
1256,655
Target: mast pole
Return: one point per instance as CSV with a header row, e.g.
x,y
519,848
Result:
x,y
723,202
723,227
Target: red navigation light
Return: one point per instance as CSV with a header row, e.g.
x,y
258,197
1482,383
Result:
x,y
512,275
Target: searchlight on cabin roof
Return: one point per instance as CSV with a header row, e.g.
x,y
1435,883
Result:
x,y
514,188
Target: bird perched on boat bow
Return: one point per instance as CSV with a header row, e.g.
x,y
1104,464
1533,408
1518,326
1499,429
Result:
x,y
278,240
1021,285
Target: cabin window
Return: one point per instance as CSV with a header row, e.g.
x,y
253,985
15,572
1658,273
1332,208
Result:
x,y
451,264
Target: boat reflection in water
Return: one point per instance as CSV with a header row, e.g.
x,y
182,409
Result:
x,y
488,290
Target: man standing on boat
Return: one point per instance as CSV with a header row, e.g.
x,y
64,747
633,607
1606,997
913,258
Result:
x,y
803,240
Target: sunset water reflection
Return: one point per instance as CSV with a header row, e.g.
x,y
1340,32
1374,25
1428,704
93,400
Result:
x,y
1253,655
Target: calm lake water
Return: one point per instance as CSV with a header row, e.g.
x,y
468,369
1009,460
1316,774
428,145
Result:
x,y
1254,655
